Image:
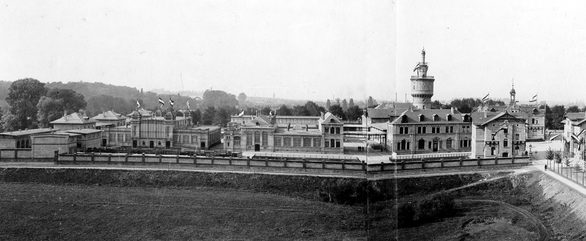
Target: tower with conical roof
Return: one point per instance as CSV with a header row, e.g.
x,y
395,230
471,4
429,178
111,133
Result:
x,y
513,93
422,85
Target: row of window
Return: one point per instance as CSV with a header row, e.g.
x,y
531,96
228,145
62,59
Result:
x,y
297,141
332,130
434,129
435,145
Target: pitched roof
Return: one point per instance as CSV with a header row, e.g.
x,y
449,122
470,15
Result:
x,y
329,118
429,116
27,132
108,115
73,118
487,120
576,116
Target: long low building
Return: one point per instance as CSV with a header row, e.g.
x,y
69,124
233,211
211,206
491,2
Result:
x,y
324,134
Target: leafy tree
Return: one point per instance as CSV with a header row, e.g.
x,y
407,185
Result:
x,y
354,113
242,99
465,105
573,108
222,117
328,104
208,115
554,117
56,101
300,110
284,110
196,116
101,103
350,103
8,122
218,98
337,111
313,109
371,102
265,110
23,96
549,154
344,105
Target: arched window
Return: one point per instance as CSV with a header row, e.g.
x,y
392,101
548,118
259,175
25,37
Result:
x,y
403,145
449,143
421,117
404,119
449,117
435,117
421,144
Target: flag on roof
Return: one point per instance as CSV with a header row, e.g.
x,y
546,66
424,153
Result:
x,y
137,104
188,104
534,98
485,98
241,113
171,102
161,101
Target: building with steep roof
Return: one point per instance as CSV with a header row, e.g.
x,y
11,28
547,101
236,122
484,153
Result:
x,y
73,121
109,118
498,135
574,135
418,131
422,85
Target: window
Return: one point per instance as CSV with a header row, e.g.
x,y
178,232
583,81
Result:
x,y
332,143
236,140
419,130
406,130
421,118
265,138
447,129
337,130
424,129
185,139
421,144
338,143
287,141
306,142
449,117
256,137
297,141
516,136
451,129
505,130
505,143
248,139
332,130
400,130
327,143
408,143
449,143
403,145
435,117
432,129
316,142
277,140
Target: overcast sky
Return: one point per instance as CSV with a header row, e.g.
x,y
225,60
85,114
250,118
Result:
x,y
301,49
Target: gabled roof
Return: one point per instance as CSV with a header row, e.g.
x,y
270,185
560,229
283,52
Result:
x,y
108,115
504,114
429,116
329,118
395,105
73,118
83,131
576,116
258,121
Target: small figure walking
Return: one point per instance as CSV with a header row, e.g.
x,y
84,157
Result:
x,y
546,167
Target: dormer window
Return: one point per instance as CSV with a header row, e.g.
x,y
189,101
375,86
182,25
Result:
x,y
404,119
421,117
466,118
435,117
449,117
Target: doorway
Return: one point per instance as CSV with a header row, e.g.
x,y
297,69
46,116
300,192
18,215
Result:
x,y
256,147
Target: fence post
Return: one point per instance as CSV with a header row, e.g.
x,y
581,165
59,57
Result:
x,y
364,167
422,163
441,162
195,160
213,160
177,158
284,159
323,164
403,165
266,162
382,166
304,165
93,157
143,158
477,162
56,157
109,158
160,158
15,154
343,164
230,161
1,154
461,162
74,156
248,162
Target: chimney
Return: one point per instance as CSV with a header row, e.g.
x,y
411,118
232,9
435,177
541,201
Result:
x,y
452,110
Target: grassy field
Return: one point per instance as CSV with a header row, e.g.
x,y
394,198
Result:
x,y
79,212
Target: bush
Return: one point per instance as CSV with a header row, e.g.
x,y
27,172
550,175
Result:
x,y
549,154
427,210
558,157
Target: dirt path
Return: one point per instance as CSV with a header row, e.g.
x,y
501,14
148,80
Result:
x,y
544,233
